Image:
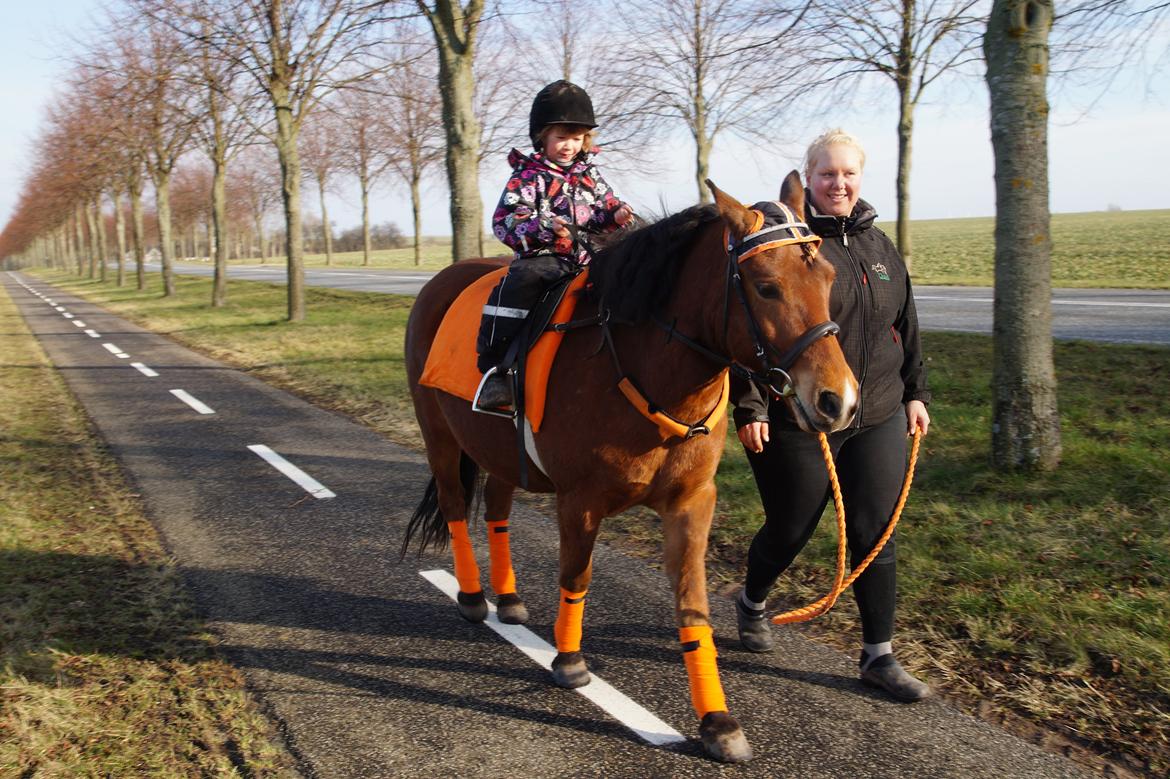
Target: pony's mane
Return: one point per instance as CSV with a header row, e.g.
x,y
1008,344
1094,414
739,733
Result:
x,y
635,275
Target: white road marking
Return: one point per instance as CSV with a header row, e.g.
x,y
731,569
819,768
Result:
x,y
307,482
601,693
192,401
59,308
67,316
78,323
143,369
112,349
93,334
1100,303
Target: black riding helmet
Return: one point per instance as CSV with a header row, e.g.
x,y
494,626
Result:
x,y
561,102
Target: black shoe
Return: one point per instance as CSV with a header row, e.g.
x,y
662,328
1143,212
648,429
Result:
x,y
496,393
888,674
755,631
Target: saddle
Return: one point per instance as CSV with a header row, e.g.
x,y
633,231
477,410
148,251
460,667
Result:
x,y
451,363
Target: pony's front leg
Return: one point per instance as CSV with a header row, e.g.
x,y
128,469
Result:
x,y
497,497
578,530
686,525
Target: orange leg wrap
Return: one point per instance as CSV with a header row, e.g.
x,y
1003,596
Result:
x,y
466,570
698,646
503,578
569,616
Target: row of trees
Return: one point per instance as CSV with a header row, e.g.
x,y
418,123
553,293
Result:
x,y
384,88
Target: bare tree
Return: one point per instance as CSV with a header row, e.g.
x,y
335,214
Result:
x,y
413,102
296,52
455,26
707,65
913,44
365,150
319,153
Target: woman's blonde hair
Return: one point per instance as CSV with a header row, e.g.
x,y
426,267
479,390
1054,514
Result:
x,y
586,143
834,137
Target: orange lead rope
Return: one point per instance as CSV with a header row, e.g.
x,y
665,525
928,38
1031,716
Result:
x,y
840,582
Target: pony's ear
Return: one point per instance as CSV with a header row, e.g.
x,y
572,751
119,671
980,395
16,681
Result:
x,y
739,218
792,194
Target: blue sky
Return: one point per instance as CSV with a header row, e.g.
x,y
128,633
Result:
x,y
1112,154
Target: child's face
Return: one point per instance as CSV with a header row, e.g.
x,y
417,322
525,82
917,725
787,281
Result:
x,y
563,143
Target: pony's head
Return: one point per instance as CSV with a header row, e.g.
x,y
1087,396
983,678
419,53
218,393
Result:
x,y
782,328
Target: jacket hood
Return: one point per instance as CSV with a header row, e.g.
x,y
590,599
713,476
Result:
x,y
861,218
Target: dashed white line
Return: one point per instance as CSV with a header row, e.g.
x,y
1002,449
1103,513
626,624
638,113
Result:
x,y
114,350
78,323
602,694
192,401
93,334
307,482
59,308
67,315
143,369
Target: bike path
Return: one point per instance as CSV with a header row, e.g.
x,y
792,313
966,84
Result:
x,y
366,664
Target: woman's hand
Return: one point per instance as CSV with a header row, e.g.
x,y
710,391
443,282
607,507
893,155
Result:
x,y
917,417
623,214
560,227
753,436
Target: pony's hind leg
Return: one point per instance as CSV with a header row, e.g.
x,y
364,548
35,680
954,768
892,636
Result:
x,y
685,525
497,496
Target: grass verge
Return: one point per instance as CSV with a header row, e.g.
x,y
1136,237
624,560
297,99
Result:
x,y
104,669
1041,599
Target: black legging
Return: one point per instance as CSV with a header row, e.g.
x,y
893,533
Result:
x,y
794,488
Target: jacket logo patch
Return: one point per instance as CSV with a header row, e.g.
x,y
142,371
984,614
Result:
x,y
881,271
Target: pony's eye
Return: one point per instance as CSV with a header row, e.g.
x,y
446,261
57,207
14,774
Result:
x,y
768,290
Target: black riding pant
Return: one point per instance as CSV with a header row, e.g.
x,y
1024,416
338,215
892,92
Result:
x,y
512,300
794,487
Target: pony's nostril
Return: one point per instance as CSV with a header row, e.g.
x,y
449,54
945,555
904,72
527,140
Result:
x,y
829,404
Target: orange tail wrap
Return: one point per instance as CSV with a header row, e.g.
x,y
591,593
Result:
x,y
503,577
698,646
466,570
569,616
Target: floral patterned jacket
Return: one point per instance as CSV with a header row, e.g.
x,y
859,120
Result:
x,y
538,191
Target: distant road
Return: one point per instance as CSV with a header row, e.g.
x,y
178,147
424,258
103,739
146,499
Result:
x,y
1109,315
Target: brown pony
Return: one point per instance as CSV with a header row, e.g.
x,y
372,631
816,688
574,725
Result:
x,y
600,454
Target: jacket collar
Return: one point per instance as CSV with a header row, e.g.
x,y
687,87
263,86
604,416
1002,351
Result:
x,y
860,219
518,159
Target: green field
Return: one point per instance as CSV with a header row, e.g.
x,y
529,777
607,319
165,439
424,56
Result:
x,y
1096,249
1040,599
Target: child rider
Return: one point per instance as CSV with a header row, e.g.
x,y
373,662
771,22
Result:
x,y
553,196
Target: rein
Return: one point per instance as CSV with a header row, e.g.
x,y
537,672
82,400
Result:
x,y
840,581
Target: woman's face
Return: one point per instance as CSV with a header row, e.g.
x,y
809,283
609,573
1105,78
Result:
x,y
835,180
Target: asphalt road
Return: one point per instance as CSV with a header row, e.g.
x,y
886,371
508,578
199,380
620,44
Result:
x,y
1109,315
367,665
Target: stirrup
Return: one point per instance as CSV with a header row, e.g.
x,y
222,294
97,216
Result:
x,y
506,414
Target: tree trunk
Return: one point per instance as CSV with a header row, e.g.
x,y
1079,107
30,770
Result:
x,y
91,229
326,228
119,238
166,245
905,135
103,244
138,232
416,214
290,190
455,30
219,250
1025,424
364,182
79,238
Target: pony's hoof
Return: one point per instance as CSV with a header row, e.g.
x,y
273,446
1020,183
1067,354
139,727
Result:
x,y
511,610
472,606
569,670
723,738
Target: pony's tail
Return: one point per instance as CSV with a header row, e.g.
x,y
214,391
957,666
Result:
x,y
427,517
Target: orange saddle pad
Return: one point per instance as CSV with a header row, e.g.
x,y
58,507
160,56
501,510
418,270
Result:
x,y
451,362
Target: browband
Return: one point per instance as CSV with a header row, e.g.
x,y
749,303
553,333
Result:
x,y
775,225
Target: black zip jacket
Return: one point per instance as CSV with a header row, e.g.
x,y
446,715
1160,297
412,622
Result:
x,y
873,302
